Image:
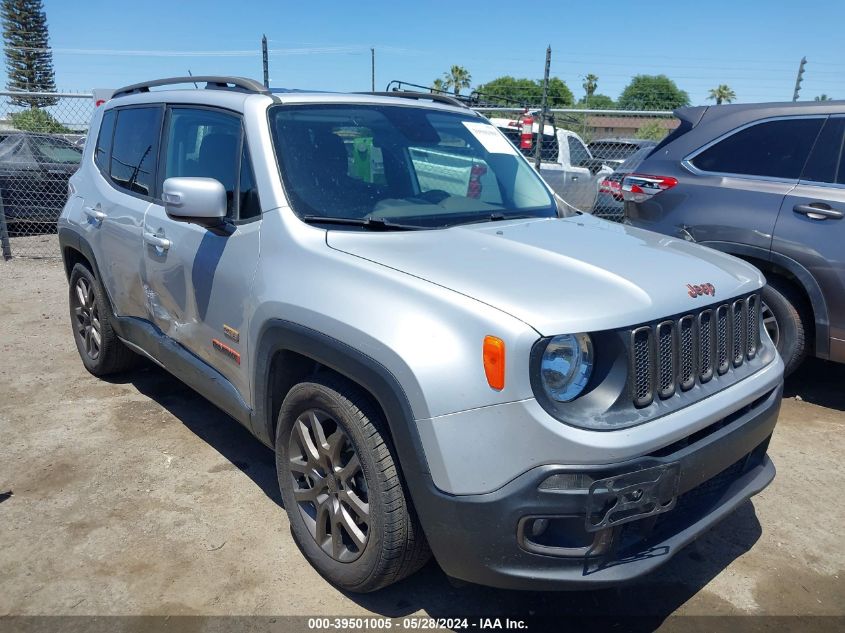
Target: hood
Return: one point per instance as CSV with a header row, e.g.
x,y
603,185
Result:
x,y
577,274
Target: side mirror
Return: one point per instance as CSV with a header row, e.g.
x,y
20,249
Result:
x,y
200,200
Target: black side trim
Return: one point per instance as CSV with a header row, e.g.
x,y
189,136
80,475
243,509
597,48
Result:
x,y
143,336
808,283
278,335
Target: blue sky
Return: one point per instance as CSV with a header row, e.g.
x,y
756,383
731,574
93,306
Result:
x,y
752,46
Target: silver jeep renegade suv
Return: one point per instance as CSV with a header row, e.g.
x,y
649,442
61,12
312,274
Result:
x,y
444,360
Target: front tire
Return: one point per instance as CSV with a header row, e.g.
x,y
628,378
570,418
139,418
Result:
x,y
101,351
786,319
348,510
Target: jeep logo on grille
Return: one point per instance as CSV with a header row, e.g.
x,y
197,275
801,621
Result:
x,y
702,289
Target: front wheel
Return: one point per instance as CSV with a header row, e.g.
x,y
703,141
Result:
x,y
347,506
786,319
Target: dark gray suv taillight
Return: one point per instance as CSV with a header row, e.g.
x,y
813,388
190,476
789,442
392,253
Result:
x,y
641,187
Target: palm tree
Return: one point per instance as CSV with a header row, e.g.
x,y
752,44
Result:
x,y
437,86
823,97
457,78
722,93
590,84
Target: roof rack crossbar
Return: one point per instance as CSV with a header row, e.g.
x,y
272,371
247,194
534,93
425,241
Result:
x,y
212,82
407,94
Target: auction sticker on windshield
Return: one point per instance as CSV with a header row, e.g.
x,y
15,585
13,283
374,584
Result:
x,y
490,138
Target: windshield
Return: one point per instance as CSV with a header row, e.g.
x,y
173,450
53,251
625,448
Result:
x,y
57,150
415,166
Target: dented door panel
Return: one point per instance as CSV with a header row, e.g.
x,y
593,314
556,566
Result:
x,y
198,289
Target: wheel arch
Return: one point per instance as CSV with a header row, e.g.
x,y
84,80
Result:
x,y
772,263
288,352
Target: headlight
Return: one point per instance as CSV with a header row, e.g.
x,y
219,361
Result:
x,y
566,366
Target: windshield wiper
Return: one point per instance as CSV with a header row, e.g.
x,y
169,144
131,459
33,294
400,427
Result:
x,y
498,217
372,224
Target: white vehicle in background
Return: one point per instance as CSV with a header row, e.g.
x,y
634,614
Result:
x,y
567,164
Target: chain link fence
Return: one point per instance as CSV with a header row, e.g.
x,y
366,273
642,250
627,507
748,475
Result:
x,y
41,139
584,154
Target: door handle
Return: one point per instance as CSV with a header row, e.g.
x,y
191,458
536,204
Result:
x,y
155,240
95,214
819,212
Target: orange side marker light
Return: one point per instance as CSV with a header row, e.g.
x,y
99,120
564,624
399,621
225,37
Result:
x,y
494,362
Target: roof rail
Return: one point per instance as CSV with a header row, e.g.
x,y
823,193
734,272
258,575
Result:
x,y
407,94
212,82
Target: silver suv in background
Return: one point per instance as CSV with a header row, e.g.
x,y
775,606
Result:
x,y
383,291
764,182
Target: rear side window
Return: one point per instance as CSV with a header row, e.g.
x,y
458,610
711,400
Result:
x,y
776,149
103,149
578,154
826,162
135,149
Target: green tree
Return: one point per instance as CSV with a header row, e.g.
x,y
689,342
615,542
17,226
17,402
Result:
x,y
822,97
652,92
437,86
591,82
560,96
29,60
722,93
597,102
508,90
456,79
36,120
652,130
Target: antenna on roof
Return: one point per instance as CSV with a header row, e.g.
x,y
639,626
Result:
x,y
190,74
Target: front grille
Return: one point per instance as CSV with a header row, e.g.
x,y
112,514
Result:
x,y
675,355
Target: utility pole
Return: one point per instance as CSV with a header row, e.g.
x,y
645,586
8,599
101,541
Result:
x,y
372,70
538,146
264,56
799,78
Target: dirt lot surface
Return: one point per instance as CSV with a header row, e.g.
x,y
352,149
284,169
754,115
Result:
x,y
136,496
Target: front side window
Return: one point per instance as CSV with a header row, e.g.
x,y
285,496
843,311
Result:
x,y
135,149
775,149
826,162
409,165
206,144
249,205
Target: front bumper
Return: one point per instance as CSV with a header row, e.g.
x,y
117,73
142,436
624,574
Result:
x,y
491,539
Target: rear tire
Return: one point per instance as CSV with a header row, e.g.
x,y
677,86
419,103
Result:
x,y
348,509
101,351
792,326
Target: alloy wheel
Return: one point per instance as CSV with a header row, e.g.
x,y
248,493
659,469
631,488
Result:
x,y
770,322
87,318
329,485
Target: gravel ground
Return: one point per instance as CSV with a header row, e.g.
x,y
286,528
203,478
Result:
x,y
136,496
